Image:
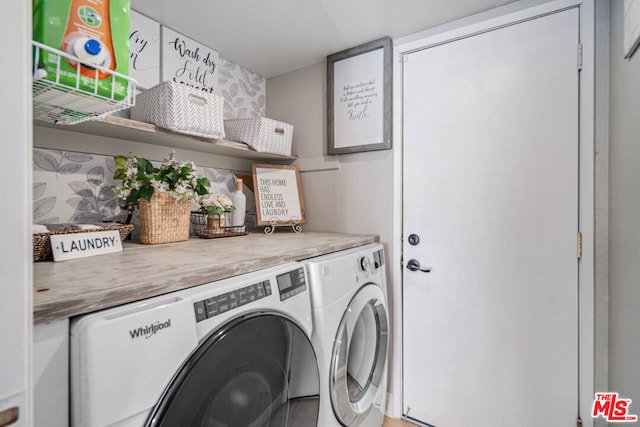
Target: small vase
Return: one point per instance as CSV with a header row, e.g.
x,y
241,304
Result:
x,y
215,222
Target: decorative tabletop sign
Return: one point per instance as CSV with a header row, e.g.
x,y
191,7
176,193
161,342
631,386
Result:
x,y
79,245
189,62
144,50
278,195
359,98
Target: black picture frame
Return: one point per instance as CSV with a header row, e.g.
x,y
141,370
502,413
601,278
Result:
x,y
359,98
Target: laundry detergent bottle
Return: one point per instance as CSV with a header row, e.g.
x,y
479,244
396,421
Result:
x,y
88,36
94,31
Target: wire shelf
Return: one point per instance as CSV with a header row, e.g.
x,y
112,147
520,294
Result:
x,y
69,99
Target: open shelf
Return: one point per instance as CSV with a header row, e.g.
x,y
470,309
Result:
x,y
126,129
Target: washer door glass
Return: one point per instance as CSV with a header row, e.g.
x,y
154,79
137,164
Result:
x,y
359,356
255,371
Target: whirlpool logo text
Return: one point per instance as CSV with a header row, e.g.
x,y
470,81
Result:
x,y
149,330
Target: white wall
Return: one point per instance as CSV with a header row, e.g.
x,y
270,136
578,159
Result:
x,y
355,198
624,227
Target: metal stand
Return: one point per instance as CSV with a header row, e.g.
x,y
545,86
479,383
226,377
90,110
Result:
x,y
294,223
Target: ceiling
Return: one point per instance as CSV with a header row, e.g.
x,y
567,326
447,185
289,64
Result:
x,y
273,37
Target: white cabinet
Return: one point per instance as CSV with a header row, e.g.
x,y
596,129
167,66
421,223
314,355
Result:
x,y
51,373
15,248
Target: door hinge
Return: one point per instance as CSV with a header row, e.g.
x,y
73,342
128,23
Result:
x,y
579,242
579,56
578,422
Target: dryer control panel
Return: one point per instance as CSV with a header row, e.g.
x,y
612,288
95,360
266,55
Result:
x,y
291,284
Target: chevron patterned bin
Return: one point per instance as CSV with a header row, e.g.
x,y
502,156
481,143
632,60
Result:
x,y
180,108
261,134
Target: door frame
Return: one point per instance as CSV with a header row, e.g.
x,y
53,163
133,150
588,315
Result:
x,y
593,185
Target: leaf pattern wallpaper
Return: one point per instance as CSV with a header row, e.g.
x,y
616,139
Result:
x,y
78,188
243,91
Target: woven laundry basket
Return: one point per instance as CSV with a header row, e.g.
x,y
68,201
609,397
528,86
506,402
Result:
x,y
164,219
261,134
180,108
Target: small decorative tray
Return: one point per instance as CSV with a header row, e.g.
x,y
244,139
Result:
x,y
42,245
212,226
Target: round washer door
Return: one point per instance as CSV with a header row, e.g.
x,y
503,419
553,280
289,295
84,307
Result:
x,y
359,355
243,374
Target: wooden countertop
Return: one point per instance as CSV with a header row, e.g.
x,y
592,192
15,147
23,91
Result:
x,y
69,288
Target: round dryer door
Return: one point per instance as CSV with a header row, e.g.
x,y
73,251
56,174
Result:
x,y
359,356
259,370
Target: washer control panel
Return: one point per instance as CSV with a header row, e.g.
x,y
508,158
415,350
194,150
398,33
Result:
x,y
222,303
291,284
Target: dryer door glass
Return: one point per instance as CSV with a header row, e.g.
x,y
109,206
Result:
x,y
259,370
359,356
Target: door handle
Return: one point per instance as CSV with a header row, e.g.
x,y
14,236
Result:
x,y
414,265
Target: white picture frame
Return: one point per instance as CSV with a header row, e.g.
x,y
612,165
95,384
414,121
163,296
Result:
x,y
144,50
631,27
186,61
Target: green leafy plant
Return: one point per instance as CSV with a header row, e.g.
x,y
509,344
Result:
x,y
140,179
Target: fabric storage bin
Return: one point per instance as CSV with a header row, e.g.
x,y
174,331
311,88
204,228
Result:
x,y
180,108
261,134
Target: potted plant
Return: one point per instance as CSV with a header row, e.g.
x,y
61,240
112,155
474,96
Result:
x,y
164,195
215,206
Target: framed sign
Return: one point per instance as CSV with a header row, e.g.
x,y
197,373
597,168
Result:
x,y
359,82
631,27
144,50
189,62
278,195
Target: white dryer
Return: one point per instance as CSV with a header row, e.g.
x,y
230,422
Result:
x,y
236,352
351,327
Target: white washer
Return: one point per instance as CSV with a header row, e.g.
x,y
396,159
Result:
x,y
351,327
236,352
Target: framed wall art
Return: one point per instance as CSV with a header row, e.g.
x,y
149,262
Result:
x,y
278,194
144,46
189,62
631,27
359,90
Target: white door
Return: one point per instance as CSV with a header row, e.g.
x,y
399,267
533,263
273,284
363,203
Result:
x,y
491,190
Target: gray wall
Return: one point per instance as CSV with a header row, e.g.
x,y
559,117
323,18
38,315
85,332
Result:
x,y
624,216
357,197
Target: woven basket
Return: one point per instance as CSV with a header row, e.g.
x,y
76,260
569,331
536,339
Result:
x,y
164,220
42,243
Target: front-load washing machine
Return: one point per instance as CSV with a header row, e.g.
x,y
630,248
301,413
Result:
x,y
232,353
351,335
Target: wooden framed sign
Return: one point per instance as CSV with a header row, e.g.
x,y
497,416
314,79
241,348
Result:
x,y
278,195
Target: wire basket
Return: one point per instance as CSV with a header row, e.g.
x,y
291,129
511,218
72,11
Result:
x,y
212,225
84,99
